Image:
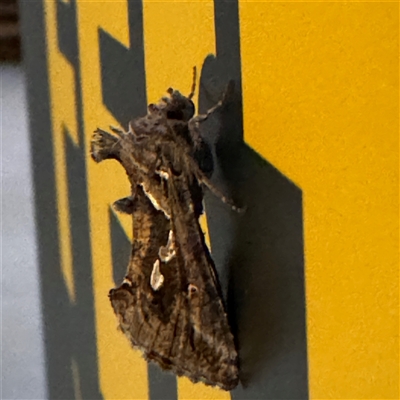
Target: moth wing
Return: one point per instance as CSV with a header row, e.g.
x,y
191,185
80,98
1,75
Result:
x,y
211,343
182,326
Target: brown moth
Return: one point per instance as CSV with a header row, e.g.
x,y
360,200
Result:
x,y
170,304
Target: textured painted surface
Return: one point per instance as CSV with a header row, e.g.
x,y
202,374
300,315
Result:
x,y
325,76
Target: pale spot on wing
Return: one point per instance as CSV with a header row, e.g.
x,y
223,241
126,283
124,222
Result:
x,y
156,278
155,203
163,174
127,280
167,253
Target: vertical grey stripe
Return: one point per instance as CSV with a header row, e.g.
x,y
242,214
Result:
x,y
82,331
81,327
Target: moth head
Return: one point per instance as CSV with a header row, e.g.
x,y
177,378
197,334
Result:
x,y
177,106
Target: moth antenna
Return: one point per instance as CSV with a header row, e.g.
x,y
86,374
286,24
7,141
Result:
x,y
191,94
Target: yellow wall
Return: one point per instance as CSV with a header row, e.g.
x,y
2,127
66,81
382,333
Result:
x,y
326,77
323,77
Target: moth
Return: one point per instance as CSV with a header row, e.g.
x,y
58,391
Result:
x,y
169,304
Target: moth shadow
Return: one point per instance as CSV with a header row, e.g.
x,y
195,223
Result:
x,y
259,256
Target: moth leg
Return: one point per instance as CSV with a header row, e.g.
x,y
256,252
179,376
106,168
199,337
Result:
x,y
202,117
221,196
205,181
156,278
194,122
125,205
104,146
167,253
